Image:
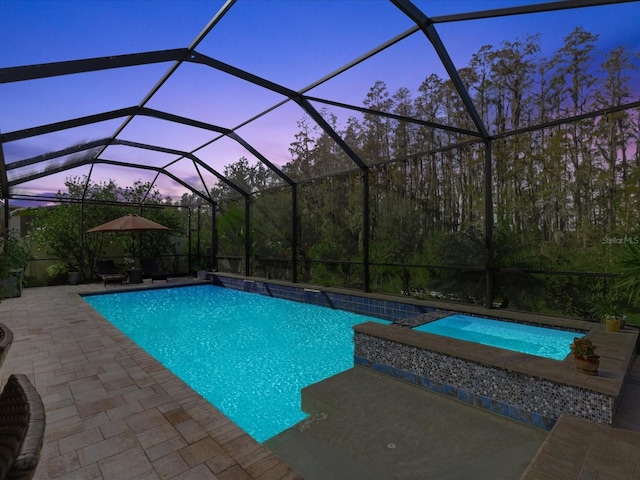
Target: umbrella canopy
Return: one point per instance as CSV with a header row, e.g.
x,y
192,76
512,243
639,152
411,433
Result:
x,y
128,223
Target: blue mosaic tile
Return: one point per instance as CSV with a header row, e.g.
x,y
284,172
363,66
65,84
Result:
x,y
466,396
450,391
382,368
436,386
500,408
361,361
411,377
536,419
542,422
519,414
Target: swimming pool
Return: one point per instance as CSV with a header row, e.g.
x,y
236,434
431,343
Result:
x,y
247,354
543,342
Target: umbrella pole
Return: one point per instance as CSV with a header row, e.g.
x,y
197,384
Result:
x,y
133,248
95,260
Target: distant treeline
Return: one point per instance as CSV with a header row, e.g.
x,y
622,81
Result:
x,y
562,195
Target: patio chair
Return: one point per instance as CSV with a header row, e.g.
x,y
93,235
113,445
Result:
x,y
108,272
6,338
150,269
22,424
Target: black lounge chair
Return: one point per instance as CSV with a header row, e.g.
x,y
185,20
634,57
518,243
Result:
x,y
150,269
6,338
22,424
108,272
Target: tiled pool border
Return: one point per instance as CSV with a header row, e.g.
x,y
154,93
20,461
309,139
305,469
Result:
x,y
384,309
519,395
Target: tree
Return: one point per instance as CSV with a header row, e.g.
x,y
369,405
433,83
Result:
x,y
61,230
511,250
558,188
615,136
575,82
628,284
14,258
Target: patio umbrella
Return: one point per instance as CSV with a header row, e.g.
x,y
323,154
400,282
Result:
x,y
129,223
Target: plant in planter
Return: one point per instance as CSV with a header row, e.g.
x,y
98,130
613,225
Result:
x,y
60,269
201,268
74,276
584,355
610,313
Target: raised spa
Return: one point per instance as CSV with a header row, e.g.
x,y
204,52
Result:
x,y
533,340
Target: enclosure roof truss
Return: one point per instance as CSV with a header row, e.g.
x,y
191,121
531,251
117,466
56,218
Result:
x,y
95,152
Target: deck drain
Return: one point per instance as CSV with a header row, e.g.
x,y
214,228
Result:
x,y
391,445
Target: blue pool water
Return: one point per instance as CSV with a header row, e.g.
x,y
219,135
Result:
x,y
544,342
247,354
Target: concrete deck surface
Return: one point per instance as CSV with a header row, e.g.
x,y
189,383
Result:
x,y
435,437
113,412
380,428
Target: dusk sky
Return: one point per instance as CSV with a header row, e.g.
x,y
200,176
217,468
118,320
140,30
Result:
x,y
290,42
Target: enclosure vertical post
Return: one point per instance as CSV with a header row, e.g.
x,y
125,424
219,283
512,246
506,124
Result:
x,y
199,226
488,225
137,259
247,239
5,220
214,237
189,242
294,233
366,224
82,245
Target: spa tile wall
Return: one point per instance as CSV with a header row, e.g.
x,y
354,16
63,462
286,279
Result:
x,y
525,398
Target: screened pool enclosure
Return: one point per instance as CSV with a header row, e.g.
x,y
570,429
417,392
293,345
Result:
x,y
482,152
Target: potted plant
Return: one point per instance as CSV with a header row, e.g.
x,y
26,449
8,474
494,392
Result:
x,y
57,270
610,313
201,268
584,355
74,276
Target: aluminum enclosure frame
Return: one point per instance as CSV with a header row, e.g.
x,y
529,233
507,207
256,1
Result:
x,y
189,55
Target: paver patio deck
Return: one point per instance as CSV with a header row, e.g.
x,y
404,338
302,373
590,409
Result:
x,y
113,412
